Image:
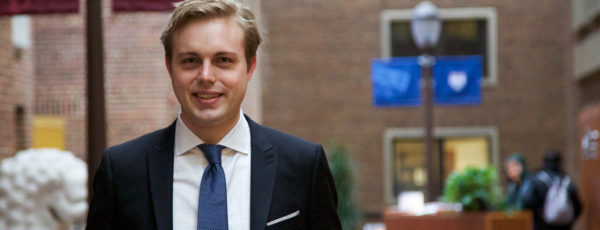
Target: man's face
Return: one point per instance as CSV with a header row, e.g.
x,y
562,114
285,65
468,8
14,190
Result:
x,y
209,72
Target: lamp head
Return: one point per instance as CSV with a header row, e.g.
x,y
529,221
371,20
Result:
x,y
425,25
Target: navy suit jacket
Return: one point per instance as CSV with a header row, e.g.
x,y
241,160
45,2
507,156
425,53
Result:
x,y
133,186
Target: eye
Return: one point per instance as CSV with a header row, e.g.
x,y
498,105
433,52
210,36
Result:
x,y
188,60
224,60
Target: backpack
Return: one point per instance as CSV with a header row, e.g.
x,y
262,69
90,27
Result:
x,y
558,207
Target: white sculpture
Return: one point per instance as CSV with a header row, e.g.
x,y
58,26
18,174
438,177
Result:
x,y
43,189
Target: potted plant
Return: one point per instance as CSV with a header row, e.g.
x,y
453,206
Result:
x,y
475,189
479,192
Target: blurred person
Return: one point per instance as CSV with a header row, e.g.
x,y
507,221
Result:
x,y
213,168
516,173
544,196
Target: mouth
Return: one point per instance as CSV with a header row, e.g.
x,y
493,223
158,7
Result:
x,y
207,97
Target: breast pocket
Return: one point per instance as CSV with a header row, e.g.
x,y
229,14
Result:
x,y
292,221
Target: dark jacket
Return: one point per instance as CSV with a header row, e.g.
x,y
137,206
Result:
x,y
535,196
133,185
514,195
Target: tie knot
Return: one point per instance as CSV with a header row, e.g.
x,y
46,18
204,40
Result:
x,y
212,153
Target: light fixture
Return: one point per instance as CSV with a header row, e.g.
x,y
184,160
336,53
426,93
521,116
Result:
x,y
426,26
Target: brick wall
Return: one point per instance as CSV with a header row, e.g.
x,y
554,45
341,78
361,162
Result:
x,y
16,93
317,83
7,143
137,87
23,96
59,48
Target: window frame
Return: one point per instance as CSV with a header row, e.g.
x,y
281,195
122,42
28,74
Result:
x,y
486,13
392,134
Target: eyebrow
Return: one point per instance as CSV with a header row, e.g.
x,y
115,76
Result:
x,y
187,53
226,53
192,53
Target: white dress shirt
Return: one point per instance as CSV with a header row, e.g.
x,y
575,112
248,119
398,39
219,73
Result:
x,y
189,165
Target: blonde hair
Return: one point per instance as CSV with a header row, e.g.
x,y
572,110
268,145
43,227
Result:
x,y
188,10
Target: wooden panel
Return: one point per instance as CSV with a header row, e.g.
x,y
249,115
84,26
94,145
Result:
x,y
503,221
460,221
589,164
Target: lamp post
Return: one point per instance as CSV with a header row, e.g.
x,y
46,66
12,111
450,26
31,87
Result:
x,y
426,27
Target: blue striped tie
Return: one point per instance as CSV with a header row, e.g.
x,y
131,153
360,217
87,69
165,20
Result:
x,y
212,205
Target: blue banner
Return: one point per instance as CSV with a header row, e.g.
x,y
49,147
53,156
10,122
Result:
x,y
457,80
396,81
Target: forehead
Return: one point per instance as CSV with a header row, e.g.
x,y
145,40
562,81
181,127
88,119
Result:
x,y
213,34
513,163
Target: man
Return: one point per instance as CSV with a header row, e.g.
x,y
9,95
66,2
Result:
x,y
213,168
536,194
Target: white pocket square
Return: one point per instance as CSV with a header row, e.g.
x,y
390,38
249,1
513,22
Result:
x,y
286,217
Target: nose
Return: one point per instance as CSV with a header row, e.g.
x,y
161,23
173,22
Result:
x,y
206,74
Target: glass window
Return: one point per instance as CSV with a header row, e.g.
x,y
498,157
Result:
x,y
450,153
21,31
465,31
458,37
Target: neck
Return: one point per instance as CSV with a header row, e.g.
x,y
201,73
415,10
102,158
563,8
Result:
x,y
211,133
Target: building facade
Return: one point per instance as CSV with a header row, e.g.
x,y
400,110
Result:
x,y
6,77
16,86
584,101
137,86
317,85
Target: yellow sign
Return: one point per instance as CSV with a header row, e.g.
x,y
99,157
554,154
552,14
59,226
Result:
x,y
49,132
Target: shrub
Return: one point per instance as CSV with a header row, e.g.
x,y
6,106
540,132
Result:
x,y
476,189
343,170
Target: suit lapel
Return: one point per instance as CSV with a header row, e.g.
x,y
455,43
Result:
x,y
160,172
263,170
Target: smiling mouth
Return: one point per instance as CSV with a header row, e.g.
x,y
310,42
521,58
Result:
x,y
207,96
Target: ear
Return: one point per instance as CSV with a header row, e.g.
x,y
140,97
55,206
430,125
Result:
x,y
252,67
168,65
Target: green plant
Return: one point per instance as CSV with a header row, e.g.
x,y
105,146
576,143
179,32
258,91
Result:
x,y
342,170
476,189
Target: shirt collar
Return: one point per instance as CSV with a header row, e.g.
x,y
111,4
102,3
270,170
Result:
x,y
237,139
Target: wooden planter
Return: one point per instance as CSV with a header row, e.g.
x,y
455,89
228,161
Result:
x,y
460,221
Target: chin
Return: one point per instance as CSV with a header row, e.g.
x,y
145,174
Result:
x,y
208,117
